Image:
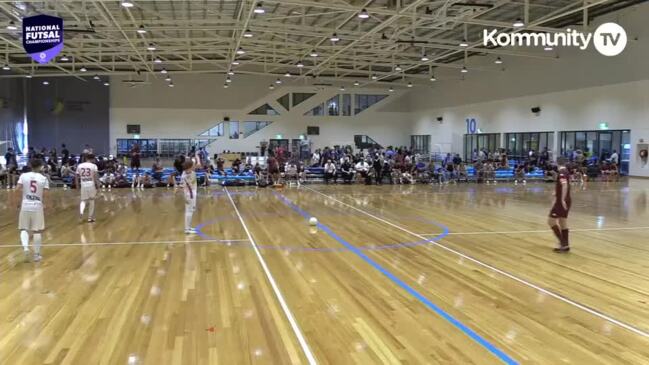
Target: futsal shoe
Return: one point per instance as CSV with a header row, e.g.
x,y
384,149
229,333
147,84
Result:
x,y
562,249
37,257
27,255
91,220
190,231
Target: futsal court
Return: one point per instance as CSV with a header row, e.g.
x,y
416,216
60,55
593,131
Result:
x,y
391,274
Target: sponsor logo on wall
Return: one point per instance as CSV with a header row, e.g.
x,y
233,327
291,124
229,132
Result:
x,y
43,37
609,39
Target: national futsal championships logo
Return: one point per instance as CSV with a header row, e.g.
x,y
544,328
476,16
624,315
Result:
x,y
609,39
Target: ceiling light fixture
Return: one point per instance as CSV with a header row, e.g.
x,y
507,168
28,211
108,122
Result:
x,y
163,71
240,51
278,81
300,64
356,83
11,26
46,82
106,83
410,84
235,63
168,78
171,84
28,76
141,29
96,77
425,58
342,88
391,89
6,67
83,69
225,86
313,53
272,87
464,70
498,61
157,60
464,43
127,4
334,38
65,58
151,47
247,34
398,68
518,23
363,14
228,79
374,77
288,74
432,78
548,49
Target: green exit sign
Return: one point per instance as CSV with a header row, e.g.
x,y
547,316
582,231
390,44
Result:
x,y
603,126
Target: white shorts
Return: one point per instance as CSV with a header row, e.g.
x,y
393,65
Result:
x,y
190,204
88,192
31,220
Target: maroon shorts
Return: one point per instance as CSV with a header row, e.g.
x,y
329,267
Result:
x,y
558,211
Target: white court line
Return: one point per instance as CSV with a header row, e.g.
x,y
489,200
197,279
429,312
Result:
x,y
296,329
540,231
504,273
123,243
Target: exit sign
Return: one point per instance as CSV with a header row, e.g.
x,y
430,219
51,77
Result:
x,y
603,126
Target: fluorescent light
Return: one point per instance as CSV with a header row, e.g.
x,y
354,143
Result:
x,y
6,67
106,83
425,58
300,64
356,83
464,70
65,58
231,73
342,88
171,84
141,29
313,53
240,51
398,68
83,69
96,77
464,43
228,79
225,86
518,23
247,34
272,87
498,61
278,81
168,78
363,14
157,60
410,84
127,4
548,49
288,74
163,71
46,82
259,9
28,76
334,37
235,63
391,89
432,78
11,25
374,77
151,47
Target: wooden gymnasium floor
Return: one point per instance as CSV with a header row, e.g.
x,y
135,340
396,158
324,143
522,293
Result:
x,y
393,275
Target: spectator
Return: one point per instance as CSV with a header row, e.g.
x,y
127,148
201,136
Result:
x,y
156,170
346,171
615,158
329,171
363,168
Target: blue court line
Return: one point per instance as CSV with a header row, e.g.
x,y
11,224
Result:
x,y
469,332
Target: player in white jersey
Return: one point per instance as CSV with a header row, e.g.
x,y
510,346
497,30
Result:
x,y
87,181
190,187
32,219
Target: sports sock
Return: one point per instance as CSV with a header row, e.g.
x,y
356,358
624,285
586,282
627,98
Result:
x,y
82,207
24,240
91,208
557,232
188,220
565,241
38,238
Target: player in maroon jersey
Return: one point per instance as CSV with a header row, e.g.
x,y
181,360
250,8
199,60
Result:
x,y
558,219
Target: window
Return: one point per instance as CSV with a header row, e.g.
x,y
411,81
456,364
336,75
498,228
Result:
x,y
598,145
216,131
420,144
347,104
250,128
475,142
285,101
365,101
174,147
264,110
148,147
234,130
299,98
519,144
317,111
333,106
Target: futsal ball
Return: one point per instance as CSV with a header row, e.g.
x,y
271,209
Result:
x,y
313,221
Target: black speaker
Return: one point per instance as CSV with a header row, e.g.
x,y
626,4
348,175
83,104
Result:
x,y
132,129
440,119
536,109
312,131
226,119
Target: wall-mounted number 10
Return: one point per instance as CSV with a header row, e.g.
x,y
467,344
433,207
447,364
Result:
x,y
471,126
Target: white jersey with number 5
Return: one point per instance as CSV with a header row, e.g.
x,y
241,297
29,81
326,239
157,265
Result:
x,y
33,185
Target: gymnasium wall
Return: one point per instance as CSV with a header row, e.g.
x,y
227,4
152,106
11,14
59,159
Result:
x,y
576,91
199,102
11,111
68,111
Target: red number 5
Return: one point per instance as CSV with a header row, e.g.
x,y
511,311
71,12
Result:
x,y
32,186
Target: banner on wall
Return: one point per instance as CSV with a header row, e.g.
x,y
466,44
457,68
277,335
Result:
x,y
43,37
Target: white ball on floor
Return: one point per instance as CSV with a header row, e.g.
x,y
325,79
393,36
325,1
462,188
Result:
x,y
313,221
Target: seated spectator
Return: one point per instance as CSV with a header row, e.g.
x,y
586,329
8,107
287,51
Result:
x,y
461,172
519,174
292,174
236,166
156,170
346,171
220,166
363,169
329,171
489,172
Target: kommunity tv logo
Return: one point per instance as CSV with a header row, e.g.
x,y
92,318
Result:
x,y
609,39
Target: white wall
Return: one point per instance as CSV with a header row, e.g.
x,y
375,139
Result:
x,y
199,102
577,91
